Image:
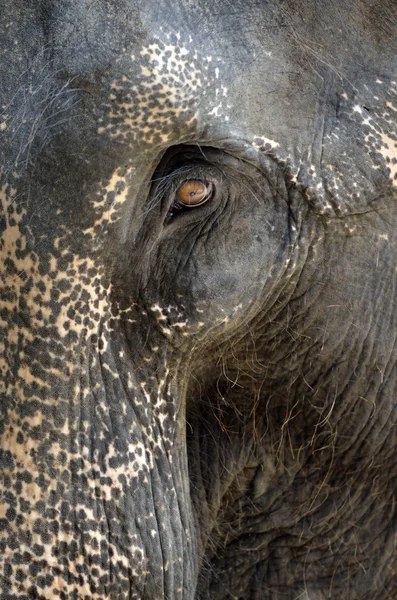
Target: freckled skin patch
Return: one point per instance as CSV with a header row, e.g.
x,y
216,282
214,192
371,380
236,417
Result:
x,y
197,403
148,106
324,183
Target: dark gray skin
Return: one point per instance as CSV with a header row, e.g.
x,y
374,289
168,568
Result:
x,y
198,402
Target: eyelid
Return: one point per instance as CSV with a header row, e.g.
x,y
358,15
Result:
x,y
171,178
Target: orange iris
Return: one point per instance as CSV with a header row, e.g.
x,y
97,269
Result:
x,y
193,192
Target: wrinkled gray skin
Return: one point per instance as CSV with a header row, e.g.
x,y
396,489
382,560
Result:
x,y
198,402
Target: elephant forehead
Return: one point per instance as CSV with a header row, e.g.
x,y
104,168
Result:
x,y
160,89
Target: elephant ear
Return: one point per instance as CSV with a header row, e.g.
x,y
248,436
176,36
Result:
x,y
351,166
347,163
340,148
356,143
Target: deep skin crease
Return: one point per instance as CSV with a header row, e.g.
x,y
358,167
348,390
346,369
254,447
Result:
x,y
198,403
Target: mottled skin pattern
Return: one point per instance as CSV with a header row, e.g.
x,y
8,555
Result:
x,y
198,403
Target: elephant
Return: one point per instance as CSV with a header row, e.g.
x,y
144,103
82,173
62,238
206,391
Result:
x,y
198,324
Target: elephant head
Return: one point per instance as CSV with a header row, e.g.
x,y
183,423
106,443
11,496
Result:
x,y
198,327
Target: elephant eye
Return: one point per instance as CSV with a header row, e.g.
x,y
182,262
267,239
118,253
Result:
x,y
193,192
